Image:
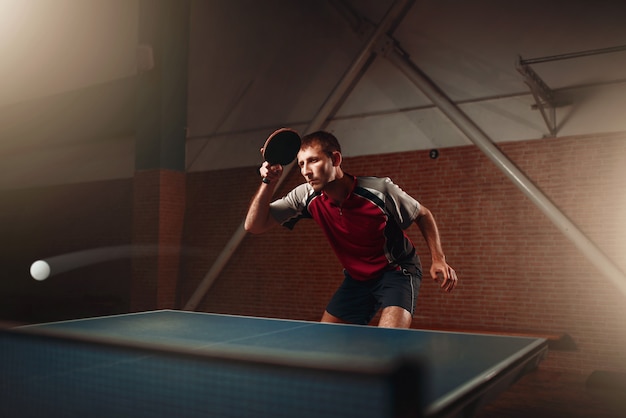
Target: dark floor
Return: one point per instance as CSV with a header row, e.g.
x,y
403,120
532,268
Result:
x,y
547,394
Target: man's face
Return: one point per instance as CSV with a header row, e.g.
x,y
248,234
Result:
x,y
316,167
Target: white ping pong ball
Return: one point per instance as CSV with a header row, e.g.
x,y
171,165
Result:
x,y
40,270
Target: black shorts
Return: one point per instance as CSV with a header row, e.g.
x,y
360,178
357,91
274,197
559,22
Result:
x,y
357,301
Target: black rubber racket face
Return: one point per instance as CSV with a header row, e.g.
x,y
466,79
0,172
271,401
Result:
x,y
282,147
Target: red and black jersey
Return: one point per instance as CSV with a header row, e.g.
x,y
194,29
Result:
x,y
366,231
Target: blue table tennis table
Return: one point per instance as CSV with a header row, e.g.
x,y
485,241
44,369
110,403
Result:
x,y
172,363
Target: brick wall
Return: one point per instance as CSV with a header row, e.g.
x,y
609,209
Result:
x,y
518,272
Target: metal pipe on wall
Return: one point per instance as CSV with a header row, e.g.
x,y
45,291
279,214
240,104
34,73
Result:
x,y
346,83
605,265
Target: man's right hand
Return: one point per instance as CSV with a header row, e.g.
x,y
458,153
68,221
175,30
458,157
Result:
x,y
270,174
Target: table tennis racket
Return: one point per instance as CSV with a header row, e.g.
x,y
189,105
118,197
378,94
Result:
x,y
281,147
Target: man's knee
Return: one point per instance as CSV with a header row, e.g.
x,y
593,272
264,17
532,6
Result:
x,y
395,317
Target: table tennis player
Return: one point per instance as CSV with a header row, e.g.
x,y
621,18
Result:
x,y
364,219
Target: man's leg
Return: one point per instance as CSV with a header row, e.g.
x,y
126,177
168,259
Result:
x,y
352,303
397,293
395,317
332,319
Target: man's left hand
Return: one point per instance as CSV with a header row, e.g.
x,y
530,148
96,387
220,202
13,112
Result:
x,y
442,273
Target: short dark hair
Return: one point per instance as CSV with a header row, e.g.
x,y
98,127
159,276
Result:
x,y
326,140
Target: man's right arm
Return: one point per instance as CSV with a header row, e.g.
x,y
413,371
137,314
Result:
x,y
259,219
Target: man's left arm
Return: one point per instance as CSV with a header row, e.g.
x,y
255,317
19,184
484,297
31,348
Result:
x,y
439,270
